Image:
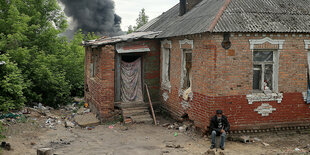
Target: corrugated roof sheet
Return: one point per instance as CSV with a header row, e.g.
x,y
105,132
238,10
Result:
x,y
122,38
239,16
265,16
197,20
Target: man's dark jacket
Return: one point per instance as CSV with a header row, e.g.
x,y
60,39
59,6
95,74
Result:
x,y
214,124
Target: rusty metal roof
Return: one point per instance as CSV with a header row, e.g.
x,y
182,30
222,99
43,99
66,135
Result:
x,y
265,16
123,38
197,20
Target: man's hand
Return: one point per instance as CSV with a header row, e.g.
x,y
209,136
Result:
x,y
222,131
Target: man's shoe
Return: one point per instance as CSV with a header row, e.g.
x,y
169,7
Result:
x,y
212,147
222,148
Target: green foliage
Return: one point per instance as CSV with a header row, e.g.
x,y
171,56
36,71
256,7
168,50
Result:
x,y
140,21
42,66
130,29
11,85
1,132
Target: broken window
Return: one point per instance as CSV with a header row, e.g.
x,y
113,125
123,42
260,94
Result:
x,y
187,68
263,69
166,67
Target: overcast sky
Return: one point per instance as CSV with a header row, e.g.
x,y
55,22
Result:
x,y
129,9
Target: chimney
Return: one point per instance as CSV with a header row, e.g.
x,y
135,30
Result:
x,y
187,5
182,7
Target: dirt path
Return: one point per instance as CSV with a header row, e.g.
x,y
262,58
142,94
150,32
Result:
x,y
137,139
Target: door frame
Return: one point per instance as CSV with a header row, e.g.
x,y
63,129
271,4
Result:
x,y
117,81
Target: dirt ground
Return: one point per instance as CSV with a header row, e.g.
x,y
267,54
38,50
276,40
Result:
x,y
138,139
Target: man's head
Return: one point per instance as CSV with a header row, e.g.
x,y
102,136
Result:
x,y
219,113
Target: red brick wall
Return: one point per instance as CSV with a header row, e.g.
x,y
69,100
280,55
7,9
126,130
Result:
x,y
151,69
100,93
222,79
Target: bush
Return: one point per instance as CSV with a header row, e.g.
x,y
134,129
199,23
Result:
x,y
11,86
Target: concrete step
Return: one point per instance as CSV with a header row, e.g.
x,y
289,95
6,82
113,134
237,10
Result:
x,y
135,112
133,105
142,119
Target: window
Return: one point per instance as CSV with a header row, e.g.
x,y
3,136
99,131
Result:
x,y
263,70
93,65
166,67
187,68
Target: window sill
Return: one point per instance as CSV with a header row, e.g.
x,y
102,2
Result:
x,y
261,97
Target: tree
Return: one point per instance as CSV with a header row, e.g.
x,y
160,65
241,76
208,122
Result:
x,y
11,85
130,29
140,21
50,68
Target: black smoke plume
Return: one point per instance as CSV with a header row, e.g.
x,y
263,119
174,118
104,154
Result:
x,y
96,16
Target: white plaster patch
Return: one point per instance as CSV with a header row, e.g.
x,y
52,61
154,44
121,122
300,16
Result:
x,y
267,39
185,104
166,41
186,41
262,97
165,96
304,95
307,43
265,109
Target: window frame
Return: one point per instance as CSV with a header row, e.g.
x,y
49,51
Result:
x,y
166,68
183,68
275,65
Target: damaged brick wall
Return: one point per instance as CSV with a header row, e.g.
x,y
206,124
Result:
x,y
99,90
151,70
222,79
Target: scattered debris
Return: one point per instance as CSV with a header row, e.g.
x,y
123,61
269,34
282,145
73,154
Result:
x,y
209,152
44,151
6,146
123,128
90,128
172,145
69,124
257,139
245,139
171,127
183,128
111,127
128,121
265,144
175,134
87,119
165,125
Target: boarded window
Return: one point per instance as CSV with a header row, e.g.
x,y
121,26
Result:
x,y
93,65
187,68
263,69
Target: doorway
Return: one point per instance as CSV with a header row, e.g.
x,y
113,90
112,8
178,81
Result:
x,y
131,78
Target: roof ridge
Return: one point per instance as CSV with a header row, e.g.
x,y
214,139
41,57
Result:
x,y
219,15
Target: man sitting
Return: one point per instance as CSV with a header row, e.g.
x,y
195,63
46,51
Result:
x,y
219,125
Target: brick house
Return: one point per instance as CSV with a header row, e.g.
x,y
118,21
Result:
x,y
246,57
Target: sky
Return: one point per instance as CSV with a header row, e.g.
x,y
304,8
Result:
x,y
129,9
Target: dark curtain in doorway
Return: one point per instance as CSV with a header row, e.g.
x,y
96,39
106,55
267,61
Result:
x,y
131,83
